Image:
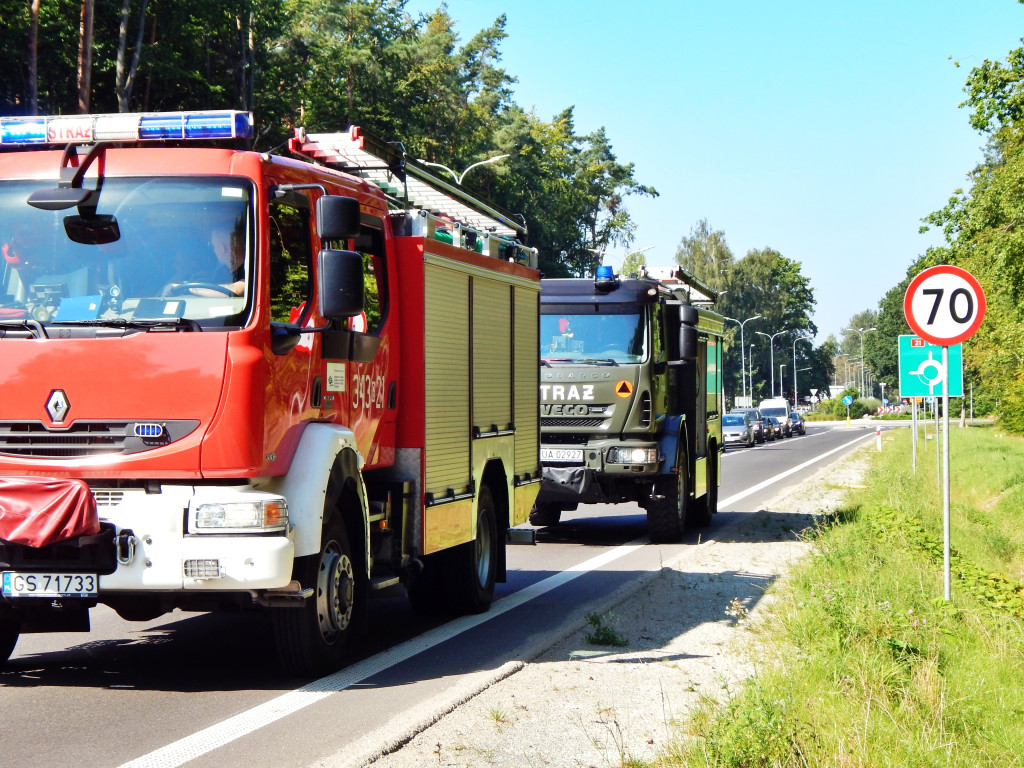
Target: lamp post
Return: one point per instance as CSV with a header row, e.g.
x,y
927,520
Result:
x,y
750,374
743,362
782,381
632,253
856,375
882,385
861,332
771,352
459,177
796,392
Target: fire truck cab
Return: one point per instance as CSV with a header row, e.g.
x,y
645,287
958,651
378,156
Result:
x,y
238,380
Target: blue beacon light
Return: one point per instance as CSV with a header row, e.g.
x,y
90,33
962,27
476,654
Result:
x,y
157,126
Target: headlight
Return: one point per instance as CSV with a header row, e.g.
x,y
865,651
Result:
x,y
265,515
623,455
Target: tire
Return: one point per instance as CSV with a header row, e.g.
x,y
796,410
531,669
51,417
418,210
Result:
x,y
666,516
473,566
699,513
545,514
311,640
10,629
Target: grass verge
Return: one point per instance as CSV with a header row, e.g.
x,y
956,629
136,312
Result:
x,y
862,661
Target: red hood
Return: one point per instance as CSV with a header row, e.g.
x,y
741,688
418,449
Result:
x,y
146,377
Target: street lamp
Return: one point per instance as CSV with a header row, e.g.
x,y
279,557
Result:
x,y
743,362
631,253
459,177
796,392
750,374
771,352
861,332
882,385
781,380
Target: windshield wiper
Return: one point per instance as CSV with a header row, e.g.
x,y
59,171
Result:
x,y
146,324
597,361
29,323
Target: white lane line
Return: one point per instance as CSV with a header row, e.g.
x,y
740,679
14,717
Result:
x,y
782,475
205,741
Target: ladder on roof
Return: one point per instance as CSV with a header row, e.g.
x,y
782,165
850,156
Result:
x,y
384,164
678,279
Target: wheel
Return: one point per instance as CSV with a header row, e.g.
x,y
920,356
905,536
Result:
x,y
698,514
665,516
545,514
311,640
473,566
10,629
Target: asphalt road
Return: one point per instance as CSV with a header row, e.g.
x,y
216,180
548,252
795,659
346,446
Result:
x,y
204,690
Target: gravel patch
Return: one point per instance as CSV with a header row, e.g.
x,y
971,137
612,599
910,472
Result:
x,y
579,705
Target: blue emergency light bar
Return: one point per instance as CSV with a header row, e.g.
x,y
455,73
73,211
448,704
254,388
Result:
x,y
129,126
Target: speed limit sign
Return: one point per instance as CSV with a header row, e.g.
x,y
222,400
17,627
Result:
x,y
944,305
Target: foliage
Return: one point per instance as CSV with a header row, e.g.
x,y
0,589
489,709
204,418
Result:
x,y
326,64
862,662
766,283
705,255
982,227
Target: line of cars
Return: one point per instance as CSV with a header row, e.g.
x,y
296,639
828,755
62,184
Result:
x,y
749,426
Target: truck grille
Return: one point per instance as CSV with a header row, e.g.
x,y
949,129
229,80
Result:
x,y
579,422
32,439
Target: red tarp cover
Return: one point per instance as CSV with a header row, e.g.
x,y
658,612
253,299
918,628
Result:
x,y
40,511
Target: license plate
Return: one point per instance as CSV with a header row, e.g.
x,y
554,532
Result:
x,y
17,584
562,454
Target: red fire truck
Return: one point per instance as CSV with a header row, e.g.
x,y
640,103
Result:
x,y
237,380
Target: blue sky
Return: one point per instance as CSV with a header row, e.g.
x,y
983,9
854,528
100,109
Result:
x,y
823,130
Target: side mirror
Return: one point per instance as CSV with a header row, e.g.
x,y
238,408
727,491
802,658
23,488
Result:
x,y
688,333
337,217
340,287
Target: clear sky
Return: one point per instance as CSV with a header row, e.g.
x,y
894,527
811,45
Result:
x,y
825,130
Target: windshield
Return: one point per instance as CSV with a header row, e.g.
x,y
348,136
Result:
x,y
779,413
733,421
614,336
151,249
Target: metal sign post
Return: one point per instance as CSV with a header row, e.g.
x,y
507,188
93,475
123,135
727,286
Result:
x,y
944,305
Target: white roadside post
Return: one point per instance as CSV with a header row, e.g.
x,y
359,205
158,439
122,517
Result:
x,y
945,306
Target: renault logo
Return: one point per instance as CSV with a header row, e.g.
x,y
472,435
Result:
x,y
58,406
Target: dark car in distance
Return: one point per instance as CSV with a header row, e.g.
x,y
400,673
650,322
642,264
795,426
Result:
x,y
799,425
776,428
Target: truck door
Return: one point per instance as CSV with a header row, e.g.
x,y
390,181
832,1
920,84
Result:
x,y
373,380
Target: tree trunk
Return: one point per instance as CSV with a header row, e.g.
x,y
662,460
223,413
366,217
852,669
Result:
x,y
33,58
125,75
85,56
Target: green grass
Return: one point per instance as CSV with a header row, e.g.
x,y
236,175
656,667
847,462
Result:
x,y
866,664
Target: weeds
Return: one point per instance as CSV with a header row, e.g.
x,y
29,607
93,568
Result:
x,y
868,665
604,634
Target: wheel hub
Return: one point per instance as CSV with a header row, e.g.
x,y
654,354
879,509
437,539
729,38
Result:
x,y
335,594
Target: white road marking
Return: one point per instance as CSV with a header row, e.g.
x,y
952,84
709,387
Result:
x,y
782,475
205,741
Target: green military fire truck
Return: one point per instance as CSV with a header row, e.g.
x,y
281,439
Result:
x,y
631,397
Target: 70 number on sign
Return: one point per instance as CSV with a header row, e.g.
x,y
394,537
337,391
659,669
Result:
x,y
944,305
